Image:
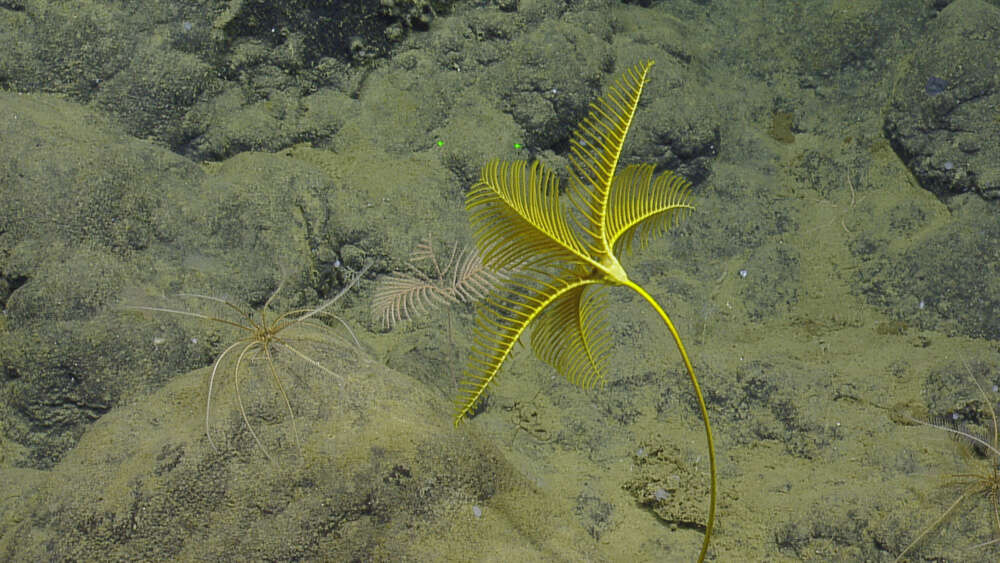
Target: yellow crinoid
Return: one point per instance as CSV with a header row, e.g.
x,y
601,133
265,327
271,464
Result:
x,y
562,256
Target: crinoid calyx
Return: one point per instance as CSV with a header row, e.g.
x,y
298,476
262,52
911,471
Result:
x,y
562,256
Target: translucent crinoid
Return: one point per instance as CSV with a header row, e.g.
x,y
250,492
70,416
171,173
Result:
x,y
265,333
461,279
981,455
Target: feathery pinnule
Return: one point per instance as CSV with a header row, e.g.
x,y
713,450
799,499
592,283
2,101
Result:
x,y
427,283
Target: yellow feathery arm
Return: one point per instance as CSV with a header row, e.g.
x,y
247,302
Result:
x,y
596,147
571,335
500,323
640,211
517,217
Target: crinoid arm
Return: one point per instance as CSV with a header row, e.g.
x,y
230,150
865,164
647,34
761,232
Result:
x,y
398,297
595,149
192,314
642,208
933,525
518,219
962,433
347,287
571,335
211,386
463,278
470,280
504,317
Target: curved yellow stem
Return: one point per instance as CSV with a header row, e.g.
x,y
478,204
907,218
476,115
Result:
x,y
701,404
